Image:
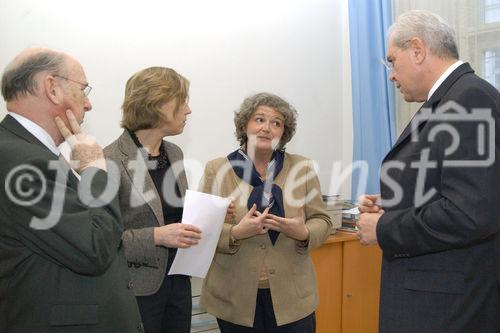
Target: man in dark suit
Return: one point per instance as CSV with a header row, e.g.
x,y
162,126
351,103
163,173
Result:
x,y
62,267
437,219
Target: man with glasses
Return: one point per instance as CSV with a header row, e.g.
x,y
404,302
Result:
x,y
86,88
437,218
62,266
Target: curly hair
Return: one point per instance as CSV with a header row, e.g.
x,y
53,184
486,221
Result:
x,y
147,91
250,105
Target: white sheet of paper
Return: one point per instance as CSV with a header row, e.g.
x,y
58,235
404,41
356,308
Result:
x,y
206,212
353,211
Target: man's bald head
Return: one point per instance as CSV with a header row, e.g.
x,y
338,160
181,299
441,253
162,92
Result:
x,y
19,79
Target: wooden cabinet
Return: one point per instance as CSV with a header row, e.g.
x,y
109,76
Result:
x,y
348,275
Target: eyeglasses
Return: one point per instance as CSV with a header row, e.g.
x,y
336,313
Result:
x,y
388,65
86,88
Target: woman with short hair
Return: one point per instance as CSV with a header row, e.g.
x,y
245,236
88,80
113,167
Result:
x,y
152,187
262,278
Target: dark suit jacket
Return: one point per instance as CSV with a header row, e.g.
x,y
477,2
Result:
x,y
441,250
69,278
147,262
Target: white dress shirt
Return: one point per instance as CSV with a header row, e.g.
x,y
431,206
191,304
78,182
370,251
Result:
x,y
37,132
443,77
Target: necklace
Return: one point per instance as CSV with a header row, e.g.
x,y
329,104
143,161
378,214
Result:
x,y
161,160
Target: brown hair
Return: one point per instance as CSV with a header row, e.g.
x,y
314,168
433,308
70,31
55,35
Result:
x,y
250,105
147,91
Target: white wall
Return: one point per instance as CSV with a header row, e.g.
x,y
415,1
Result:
x,y
228,49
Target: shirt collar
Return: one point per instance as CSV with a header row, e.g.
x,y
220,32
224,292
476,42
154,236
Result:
x,y
443,77
37,131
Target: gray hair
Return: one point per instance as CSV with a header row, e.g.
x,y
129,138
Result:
x,y
19,76
431,28
250,105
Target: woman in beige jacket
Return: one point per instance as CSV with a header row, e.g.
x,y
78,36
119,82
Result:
x,y
262,278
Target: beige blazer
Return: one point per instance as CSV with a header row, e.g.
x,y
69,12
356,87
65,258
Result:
x,y
147,262
230,288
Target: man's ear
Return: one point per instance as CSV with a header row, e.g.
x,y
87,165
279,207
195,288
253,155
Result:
x,y
53,90
418,49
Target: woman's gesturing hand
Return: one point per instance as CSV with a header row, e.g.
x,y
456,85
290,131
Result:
x,y
250,225
294,227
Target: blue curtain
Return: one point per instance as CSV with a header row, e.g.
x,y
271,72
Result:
x,y
372,92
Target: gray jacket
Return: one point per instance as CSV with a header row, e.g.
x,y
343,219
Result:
x,y
141,209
